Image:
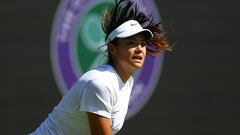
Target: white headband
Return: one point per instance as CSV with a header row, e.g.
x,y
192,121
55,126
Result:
x,y
128,29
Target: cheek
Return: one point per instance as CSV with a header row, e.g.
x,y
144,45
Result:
x,y
130,52
124,54
144,50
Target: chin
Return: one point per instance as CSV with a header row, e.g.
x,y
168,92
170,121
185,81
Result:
x,y
138,65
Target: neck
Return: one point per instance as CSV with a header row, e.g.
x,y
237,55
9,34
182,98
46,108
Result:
x,y
122,72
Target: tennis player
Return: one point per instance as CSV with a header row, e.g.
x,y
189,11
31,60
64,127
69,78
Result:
x,y
97,104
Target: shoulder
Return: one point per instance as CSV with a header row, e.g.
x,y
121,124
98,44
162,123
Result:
x,y
98,83
101,79
102,74
99,91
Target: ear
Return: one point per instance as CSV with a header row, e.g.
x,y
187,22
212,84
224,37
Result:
x,y
112,49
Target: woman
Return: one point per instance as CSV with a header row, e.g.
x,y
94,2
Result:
x,y
97,104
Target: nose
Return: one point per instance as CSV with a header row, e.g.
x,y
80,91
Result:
x,y
140,48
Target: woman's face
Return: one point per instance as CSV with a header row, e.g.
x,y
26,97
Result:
x,y
130,52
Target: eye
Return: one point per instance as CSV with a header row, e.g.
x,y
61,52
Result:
x,y
136,43
144,43
132,42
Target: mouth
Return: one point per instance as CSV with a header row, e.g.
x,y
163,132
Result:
x,y
137,57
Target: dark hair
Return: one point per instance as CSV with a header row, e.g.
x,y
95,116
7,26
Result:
x,y
125,10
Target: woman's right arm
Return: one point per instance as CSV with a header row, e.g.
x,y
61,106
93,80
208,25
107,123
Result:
x,y
99,125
